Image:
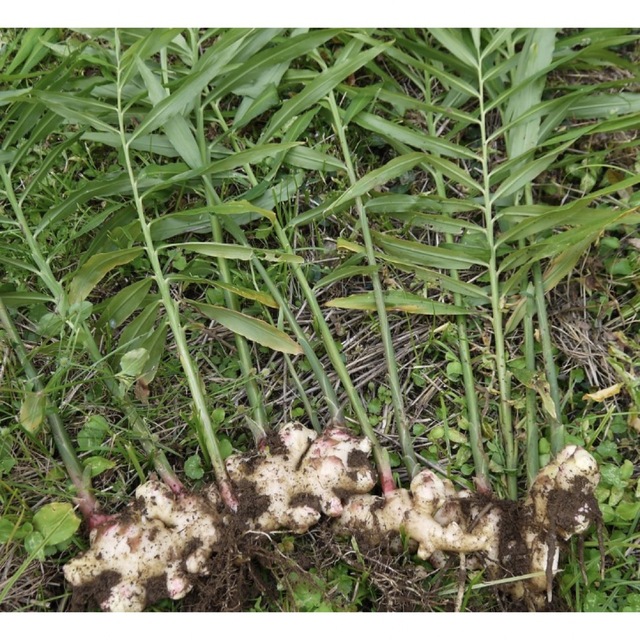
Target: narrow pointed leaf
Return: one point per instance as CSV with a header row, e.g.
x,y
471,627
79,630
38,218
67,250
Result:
x,y
416,139
96,268
125,303
427,255
453,41
251,328
318,89
397,301
209,66
237,252
523,176
249,294
390,171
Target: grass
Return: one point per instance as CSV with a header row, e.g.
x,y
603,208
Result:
x,y
427,235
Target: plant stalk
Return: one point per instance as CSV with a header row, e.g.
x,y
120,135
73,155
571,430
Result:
x,y
406,441
504,377
173,316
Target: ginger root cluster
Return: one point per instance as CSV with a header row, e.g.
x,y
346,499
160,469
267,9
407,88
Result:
x,y
162,541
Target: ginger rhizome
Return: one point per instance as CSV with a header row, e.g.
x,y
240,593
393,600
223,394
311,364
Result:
x,y
163,541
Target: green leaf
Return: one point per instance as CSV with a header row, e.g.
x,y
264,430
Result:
x,y
240,207
237,252
313,160
317,89
522,176
251,328
97,465
155,143
376,178
250,294
426,255
453,171
452,39
56,521
125,303
16,299
207,68
155,347
193,467
605,105
345,271
132,363
416,139
93,433
33,410
253,68
96,268
397,301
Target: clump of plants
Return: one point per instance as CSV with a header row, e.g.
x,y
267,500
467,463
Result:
x,y
249,212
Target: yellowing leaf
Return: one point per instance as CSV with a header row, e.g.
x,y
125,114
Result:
x,y
603,394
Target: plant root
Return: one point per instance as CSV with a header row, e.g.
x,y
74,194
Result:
x,y
162,542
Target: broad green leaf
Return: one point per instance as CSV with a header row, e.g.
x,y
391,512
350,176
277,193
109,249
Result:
x,y
97,465
56,521
33,410
125,303
397,301
193,467
93,433
96,268
317,89
251,328
132,363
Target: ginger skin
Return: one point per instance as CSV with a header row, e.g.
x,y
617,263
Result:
x,y
305,476
161,538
